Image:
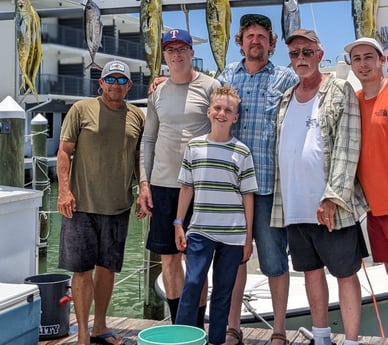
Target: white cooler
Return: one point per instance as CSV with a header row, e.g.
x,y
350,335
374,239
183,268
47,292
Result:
x,y
19,314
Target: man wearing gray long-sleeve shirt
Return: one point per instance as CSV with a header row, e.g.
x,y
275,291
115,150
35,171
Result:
x,y
176,113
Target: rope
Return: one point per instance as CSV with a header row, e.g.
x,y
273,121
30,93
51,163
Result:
x,y
255,314
374,301
45,132
40,163
44,215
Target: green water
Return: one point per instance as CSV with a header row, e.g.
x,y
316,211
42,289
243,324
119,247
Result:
x,y
128,293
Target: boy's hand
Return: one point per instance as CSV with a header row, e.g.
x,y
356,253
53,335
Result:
x,y
180,238
248,248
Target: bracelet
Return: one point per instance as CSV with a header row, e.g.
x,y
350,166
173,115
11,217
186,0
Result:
x,y
178,221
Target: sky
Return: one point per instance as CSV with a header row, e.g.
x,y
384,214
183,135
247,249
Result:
x,y
332,21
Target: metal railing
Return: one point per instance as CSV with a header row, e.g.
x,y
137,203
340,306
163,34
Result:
x,y
65,84
64,35
79,86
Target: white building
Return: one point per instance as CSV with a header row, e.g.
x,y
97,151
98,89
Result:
x,y
62,78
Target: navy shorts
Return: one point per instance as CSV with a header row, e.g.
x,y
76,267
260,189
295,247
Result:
x,y
161,235
88,240
312,247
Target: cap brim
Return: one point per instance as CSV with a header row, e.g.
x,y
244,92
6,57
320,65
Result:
x,y
348,48
174,41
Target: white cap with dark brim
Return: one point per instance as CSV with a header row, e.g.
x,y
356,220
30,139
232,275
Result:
x,y
365,40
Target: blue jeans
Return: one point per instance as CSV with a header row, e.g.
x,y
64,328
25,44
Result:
x,y
226,259
271,243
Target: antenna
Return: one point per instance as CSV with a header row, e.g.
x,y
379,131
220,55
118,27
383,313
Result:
x,y
313,17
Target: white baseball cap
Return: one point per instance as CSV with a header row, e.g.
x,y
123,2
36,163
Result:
x,y
365,40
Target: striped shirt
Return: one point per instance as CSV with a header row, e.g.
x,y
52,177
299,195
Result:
x,y
340,127
260,95
220,173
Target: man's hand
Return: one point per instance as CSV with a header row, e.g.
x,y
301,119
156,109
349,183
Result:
x,y
325,214
66,204
144,202
139,212
155,83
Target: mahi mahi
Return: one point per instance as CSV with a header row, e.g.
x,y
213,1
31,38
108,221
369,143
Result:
x,y
93,30
290,17
218,18
29,45
364,17
151,28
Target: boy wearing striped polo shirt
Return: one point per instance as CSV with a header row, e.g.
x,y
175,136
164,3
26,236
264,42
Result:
x,y
218,172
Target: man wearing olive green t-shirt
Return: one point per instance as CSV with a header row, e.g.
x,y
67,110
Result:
x,y
97,160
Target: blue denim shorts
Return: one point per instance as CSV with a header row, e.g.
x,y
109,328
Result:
x,y
271,243
89,239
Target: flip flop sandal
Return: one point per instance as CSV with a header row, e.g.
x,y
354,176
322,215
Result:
x,y
280,336
101,338
238,335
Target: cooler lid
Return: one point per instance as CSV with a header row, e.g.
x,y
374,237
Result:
x,y
11,294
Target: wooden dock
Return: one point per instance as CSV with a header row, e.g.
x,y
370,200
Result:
x,y
129,329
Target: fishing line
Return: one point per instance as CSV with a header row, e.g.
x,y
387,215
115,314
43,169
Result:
x,y
374,301
186,12
313,18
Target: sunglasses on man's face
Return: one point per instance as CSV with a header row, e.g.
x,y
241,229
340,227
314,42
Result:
x,y
120,80
294,54
250,19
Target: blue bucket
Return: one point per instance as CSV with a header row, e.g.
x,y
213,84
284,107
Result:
x,y
172,335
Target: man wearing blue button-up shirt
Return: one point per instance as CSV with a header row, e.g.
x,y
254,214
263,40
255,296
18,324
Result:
x,y
260,85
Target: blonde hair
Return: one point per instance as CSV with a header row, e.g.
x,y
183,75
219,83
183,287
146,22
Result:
x,y
226,90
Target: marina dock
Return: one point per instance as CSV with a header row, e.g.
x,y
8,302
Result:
x,y
51,165
129,329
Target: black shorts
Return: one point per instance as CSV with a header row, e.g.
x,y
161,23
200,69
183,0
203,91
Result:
x,y
89,239
312,247
161,235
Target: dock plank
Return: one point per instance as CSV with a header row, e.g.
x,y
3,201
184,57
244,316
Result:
x,y
129,329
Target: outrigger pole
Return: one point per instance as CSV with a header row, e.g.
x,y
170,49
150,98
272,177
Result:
x,y
133,6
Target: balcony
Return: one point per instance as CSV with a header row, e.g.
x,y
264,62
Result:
x,y
73,37
70,80
78,86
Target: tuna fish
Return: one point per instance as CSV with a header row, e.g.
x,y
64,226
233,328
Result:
x,y
290,17
218,18
29,45
364,17
93,30
151,28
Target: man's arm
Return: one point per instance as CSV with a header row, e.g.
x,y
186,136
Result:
x,y
66,202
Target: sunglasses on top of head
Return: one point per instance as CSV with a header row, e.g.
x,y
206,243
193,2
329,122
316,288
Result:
x,y
250,19
111,80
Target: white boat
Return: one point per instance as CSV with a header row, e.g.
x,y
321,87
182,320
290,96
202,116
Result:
x,y
257,305
257,311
